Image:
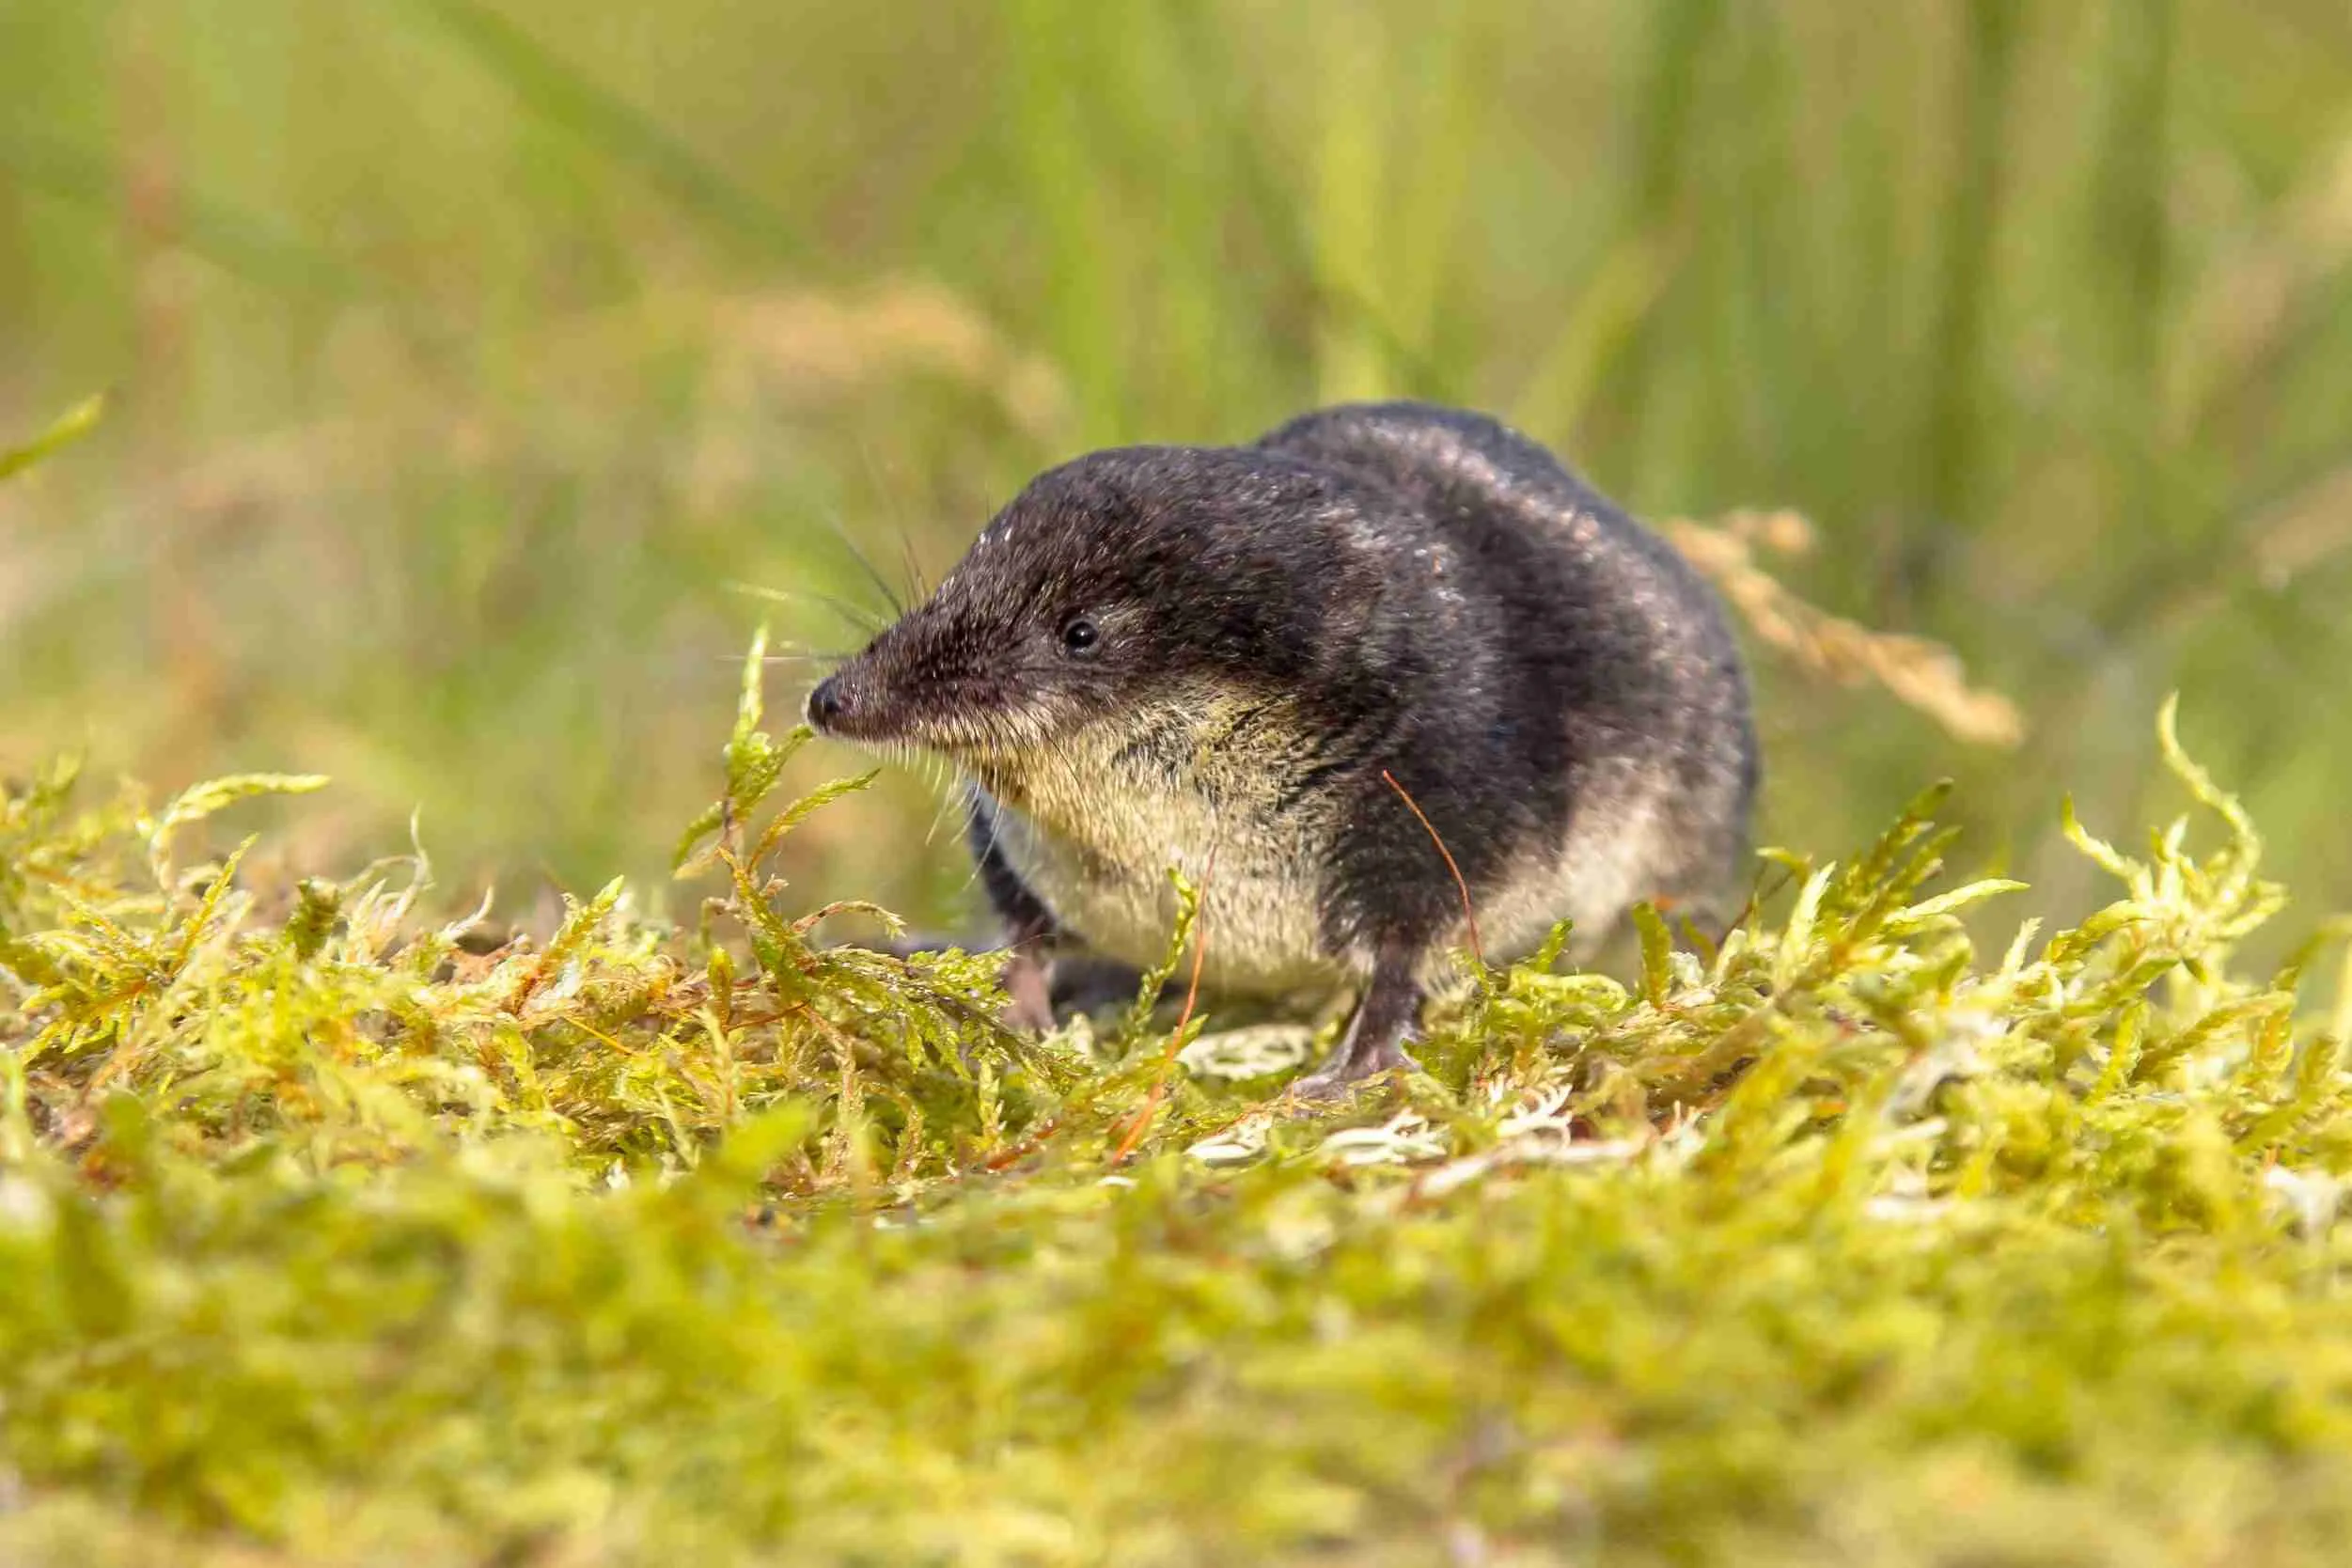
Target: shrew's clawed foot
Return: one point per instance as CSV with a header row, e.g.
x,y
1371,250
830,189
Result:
x,y
1374,1041
1081,983
1342,1072
1031,1003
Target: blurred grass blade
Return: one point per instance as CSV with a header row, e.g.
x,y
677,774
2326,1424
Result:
x,y
1597,328
78,422
1682,37
1987,71
1267,190
239,241
1349,202
600,117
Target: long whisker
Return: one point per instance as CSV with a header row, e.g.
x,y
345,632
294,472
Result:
x,y
873,575
788,656
856,615
947,802
919,587
996,831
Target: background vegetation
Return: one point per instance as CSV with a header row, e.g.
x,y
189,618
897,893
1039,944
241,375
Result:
x,y
465,353
465,357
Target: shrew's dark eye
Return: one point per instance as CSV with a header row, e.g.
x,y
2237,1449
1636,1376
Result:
x,y
1079,636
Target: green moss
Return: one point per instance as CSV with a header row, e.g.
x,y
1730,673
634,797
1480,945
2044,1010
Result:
x,y
329,1238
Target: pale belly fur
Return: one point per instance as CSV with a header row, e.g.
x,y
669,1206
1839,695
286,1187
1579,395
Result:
x,y
1096,841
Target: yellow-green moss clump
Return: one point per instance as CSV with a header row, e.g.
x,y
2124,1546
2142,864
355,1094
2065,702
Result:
x,y
328,1236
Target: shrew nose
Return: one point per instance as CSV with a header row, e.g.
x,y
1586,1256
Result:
x,y
825,703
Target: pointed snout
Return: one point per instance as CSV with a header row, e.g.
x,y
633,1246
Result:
x,y
893,693
852,704
834,709
827,704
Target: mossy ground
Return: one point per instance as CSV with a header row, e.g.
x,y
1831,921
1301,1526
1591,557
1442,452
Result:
x,y
330,1239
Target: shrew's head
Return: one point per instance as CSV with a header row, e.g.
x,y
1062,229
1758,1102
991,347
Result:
x,y
1126,579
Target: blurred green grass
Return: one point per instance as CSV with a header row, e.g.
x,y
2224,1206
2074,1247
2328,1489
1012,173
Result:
x,y
464,353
